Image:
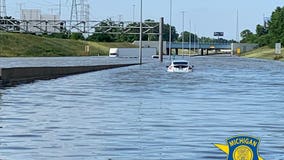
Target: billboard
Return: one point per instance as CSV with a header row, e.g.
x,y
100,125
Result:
x,y
219,34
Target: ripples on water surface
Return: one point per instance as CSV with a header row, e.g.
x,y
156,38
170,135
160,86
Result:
x,y
143,112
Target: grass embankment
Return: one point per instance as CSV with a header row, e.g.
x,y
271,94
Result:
x,y
265,53
25,45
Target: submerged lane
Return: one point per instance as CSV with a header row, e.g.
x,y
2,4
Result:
x,y
143,112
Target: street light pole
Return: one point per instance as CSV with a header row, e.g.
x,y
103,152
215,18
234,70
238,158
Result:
x,y
133,13
140,38
237,28
170,32
182,33
189,38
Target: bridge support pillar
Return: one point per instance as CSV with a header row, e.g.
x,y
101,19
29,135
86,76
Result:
x,y
202,51
176,51
161,47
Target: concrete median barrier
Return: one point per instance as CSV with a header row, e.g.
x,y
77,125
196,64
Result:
x,y
19,75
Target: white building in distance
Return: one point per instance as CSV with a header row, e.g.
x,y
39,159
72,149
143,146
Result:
x,y
32,20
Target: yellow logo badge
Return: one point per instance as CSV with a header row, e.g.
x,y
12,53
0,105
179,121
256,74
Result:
x,y
241,148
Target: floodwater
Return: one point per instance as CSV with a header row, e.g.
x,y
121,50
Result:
x,y
145,113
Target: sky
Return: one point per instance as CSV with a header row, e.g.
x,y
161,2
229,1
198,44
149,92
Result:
x,y
205,16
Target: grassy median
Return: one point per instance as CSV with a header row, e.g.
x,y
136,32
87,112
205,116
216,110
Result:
x,y
265,53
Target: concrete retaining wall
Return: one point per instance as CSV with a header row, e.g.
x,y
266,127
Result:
x,y
14,76
134,52
243,47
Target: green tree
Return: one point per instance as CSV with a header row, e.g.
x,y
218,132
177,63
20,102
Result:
x,y
101,38
102,30
58,35
247,36
261,30
207,40
276,26
261,37
186,34
263,40
166,33
77,36
130,32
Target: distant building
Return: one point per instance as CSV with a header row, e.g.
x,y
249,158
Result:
x,y
30,14
53,22
35,22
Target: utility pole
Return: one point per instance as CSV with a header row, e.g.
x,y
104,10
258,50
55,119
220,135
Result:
x,y
3,12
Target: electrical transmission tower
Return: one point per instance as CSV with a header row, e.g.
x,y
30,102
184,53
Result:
x,y
80,12
74,11
80,15
84,10
3,12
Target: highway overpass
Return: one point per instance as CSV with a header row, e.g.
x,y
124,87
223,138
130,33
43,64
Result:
x,y
197,46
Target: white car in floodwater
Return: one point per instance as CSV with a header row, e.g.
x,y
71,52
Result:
x,y
180,66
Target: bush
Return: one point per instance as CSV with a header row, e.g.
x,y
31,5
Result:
x,y
278,57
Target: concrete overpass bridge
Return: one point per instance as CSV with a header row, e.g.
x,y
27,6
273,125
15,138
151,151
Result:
x,y
197,46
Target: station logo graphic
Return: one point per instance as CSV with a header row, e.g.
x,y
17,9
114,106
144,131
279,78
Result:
x,y
241,148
